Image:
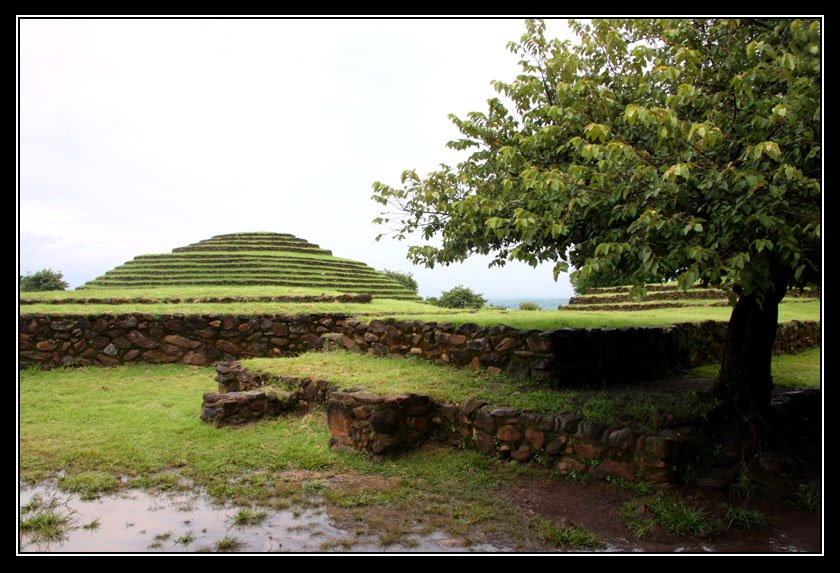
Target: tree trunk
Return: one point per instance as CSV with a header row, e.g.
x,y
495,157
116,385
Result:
x,y
745,380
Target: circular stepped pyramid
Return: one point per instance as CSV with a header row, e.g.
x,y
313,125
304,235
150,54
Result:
x,y
242,259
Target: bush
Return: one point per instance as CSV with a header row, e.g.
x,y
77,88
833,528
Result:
x,y
405,279
459,297
45,279
529,306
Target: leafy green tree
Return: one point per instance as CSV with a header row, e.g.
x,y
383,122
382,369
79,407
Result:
x,y
528,305
405,279
668,148
459,297
45,279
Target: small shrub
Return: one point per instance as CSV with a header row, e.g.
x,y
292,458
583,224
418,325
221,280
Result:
x,y
529,306
459,297
43,280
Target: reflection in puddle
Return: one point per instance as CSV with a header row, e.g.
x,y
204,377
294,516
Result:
x,y
135,521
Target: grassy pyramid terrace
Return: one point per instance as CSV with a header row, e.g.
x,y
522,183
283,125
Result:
x,y
252,259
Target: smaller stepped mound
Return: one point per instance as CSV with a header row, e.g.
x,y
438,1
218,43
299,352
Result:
x,y
662,296
242,259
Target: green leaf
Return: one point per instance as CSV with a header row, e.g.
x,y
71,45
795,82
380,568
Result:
x,y
560,267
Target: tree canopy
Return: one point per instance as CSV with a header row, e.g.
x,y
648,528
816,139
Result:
x,y
685,148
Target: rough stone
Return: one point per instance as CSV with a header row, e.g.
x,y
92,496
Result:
x,y
567,465
471,405
45,345
522,454
181,341
587,450
110,350
535,437
159,357
556,446
624,439
228,347
141,340
484,442
509,433
385,421
485,422
613,468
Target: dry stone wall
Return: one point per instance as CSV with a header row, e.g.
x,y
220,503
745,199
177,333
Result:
x,y
565,356
385,425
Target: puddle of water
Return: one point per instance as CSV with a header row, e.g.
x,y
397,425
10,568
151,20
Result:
x,y
135,521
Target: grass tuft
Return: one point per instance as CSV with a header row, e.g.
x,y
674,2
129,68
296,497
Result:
x,y
247,517
745,519
228,544
565,536
806,498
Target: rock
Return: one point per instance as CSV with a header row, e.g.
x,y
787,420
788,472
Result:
x,y
509,433
590,430
62,325
535,437
493,370
522,454
194,358
159,357
506,344
505,413
385,421
613,468
126,323
104,360
456,339
623,439
471,405
484,422
46,345
131,355
227,347
475,363
181,341
567,465
337,420
110,350
484,442
215,323
138,339
557,446
658,447
587,450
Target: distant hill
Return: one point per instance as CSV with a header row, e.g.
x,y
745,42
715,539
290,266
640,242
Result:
x,y
241,259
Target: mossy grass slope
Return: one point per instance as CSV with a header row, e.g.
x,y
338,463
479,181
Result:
x,y
252,259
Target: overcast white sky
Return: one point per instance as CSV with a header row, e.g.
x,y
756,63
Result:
x,y
138,136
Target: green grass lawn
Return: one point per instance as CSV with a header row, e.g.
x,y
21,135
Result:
x,y
379,306
141,423
553,319
789,372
